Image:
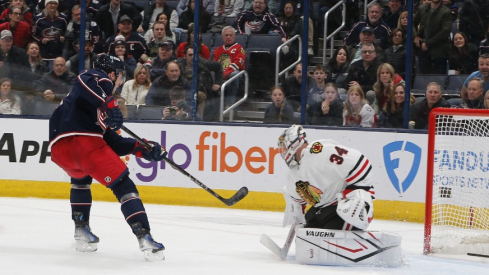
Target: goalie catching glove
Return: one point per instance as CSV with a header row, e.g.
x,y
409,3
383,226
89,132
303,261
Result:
x,y
110,115
355,207
156,153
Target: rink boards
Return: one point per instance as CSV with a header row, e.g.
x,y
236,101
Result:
x,y
223,157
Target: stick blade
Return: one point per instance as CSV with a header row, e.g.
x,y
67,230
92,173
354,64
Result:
x,y
236,197
270,244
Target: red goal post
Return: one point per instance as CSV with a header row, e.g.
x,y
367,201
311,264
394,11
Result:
x,y
457,182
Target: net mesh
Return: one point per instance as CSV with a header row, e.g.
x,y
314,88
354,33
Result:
x,y
460,206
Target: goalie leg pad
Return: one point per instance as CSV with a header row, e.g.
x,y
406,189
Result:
x,y
348,248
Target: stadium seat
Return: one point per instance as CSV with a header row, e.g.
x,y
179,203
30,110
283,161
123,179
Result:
x,y
240,39
217,41
418,92
230,21
263,42
182,38
455,102
171,3
422,80
456,82
146,112
132,111
207,39
450,93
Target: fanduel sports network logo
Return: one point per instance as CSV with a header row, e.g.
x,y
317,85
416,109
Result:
x,y
402,154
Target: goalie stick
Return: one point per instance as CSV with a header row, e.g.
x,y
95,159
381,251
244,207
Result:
x,y
478,255
229,202
280,252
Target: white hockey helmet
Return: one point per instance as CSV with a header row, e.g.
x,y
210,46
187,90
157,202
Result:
x,y
289,142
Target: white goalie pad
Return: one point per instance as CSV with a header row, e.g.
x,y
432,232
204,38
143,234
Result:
x,y
348,248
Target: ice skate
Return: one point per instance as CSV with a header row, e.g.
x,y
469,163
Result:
x,y
153,251
86,241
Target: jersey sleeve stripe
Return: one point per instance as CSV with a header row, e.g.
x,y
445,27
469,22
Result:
x,y
90,90
356,165
364,175
359,171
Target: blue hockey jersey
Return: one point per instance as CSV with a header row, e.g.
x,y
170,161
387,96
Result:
x,y
78,113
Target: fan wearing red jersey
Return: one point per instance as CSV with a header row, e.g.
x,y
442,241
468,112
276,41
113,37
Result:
x,y
232,57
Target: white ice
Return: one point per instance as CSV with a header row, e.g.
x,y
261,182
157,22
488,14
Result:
x,y
36,237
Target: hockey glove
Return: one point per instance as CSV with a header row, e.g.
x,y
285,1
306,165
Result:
x,y
156,153
355,207
112,114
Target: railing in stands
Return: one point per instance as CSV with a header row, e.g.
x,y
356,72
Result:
x,y
327,37
231,108
277,59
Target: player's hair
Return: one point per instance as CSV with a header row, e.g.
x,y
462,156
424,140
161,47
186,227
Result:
x,y
282,104
75,7
10,95
147,81
177,92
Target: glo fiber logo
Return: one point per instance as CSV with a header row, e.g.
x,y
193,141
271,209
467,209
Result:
x,y
392,158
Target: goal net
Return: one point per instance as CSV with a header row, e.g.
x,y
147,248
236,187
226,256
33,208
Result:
x,y
457,185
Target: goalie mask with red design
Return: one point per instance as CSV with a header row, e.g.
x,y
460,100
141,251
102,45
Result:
x,y
289,142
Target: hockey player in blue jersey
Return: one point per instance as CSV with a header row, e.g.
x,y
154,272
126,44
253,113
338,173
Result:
x,y
84,142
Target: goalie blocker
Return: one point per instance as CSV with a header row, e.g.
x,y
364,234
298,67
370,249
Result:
x,y
348,248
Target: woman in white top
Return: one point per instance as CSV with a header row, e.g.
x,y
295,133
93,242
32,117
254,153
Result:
x,y
135,90
357,112
8,104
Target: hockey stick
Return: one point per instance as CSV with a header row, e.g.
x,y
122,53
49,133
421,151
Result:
x,y
229,202
280,252
478,255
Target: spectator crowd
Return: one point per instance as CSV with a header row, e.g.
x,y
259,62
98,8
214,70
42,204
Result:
x,y
362,84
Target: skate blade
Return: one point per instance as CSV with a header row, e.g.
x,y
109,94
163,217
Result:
x,y
82,246
151,256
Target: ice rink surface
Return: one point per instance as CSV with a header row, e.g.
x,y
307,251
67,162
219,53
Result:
x,y
36,237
